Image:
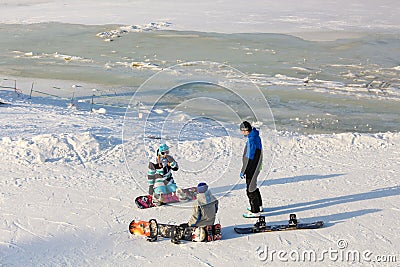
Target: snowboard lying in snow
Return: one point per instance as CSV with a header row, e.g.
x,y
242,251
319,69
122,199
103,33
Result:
x,y
149,201
176,233
293,224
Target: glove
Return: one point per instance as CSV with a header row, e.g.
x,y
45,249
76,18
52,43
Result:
x,y
164,162
242,175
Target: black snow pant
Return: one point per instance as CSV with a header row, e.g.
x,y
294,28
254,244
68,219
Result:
x,y
253,193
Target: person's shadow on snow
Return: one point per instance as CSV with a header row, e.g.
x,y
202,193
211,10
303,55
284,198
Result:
x,y
329,220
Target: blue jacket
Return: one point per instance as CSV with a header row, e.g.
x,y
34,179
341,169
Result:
x,y
252,155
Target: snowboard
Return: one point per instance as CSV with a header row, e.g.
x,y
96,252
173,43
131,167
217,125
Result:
x,y
176,233
293,224
149,201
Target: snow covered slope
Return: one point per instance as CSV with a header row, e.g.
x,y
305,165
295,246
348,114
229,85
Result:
x,y
67,195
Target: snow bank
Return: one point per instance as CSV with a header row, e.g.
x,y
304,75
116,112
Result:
x,y
54,148
86,147
67,198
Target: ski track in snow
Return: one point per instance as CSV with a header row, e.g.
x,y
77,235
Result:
x,y
19,226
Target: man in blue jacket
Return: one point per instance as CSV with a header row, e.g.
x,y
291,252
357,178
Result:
x,y
252,163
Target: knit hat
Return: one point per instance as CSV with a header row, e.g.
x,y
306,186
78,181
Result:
x,y
163,148
245,126
202,187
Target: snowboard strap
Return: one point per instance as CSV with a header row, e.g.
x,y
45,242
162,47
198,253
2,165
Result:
x,y
153,230
260,224
292,220
178,232
210,233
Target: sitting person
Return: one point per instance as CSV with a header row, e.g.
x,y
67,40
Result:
x,y
159,174
204,208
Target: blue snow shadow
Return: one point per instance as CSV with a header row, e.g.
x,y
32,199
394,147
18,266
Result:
x,y
329,220
224,190
327,202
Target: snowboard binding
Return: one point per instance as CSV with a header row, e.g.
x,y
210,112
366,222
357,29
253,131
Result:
x,y
210,234
292,220
213,232
178,232
153,230
260,224
157,200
